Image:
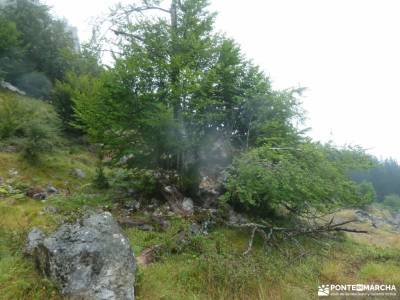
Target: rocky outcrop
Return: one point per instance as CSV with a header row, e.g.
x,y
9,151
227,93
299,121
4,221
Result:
x,y
379,218
177,202
12,88
90,259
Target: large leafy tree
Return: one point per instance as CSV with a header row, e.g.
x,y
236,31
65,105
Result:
x,y
176,87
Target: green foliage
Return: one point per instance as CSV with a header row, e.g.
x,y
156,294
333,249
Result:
x,y
18,277
100,179
140,180
29,124
75,204
35,84
37,49
84,63
9,40
392,201
367,189
8,35
300,178
43,39
176,87
385,177
147,137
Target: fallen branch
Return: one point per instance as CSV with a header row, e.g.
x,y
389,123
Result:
x,y
253,232
267,231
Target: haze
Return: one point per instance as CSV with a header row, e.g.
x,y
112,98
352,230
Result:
x,y
345,52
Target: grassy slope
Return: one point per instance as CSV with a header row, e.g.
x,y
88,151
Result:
x,y
210,267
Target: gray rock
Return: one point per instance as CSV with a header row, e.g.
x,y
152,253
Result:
x,y
13,172
40,196
195,229
51,189
210,187
9,86
90,259
79,173
132,206
236,218
392,219
35,237
187,205
50,210
135,223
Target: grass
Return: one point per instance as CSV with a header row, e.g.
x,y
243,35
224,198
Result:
x,y
56,168
386,272
206,267
217,270
18,276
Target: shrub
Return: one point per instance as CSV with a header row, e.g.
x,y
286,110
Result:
x,y
140,180
35,84
392,201
100,179
32,125
61,98
298,178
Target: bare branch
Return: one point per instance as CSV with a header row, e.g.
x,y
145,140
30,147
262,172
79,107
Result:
x,y
291,233
145,8
118,32
350,230
253,232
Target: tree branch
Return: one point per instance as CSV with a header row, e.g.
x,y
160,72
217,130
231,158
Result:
x,y
253,232
145,8
118,32
291,233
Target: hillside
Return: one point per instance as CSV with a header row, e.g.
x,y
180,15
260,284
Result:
x,y
158,161
184,259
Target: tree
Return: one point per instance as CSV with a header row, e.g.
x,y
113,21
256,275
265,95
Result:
x,y
83,64
9,41
46,45
385,177
392,201
176,87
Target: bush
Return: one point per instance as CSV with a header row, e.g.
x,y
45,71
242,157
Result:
x,y
140,180
392,201
35,84
31,125
61,98
298,178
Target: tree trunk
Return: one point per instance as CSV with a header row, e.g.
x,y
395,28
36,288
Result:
x,y
177,107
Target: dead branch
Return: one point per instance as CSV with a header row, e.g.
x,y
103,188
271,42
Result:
x,y
253,232
267,231
133,9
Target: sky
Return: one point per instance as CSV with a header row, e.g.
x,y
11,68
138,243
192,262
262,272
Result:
x,y
345,52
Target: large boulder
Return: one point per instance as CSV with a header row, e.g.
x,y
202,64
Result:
x,y
90,259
